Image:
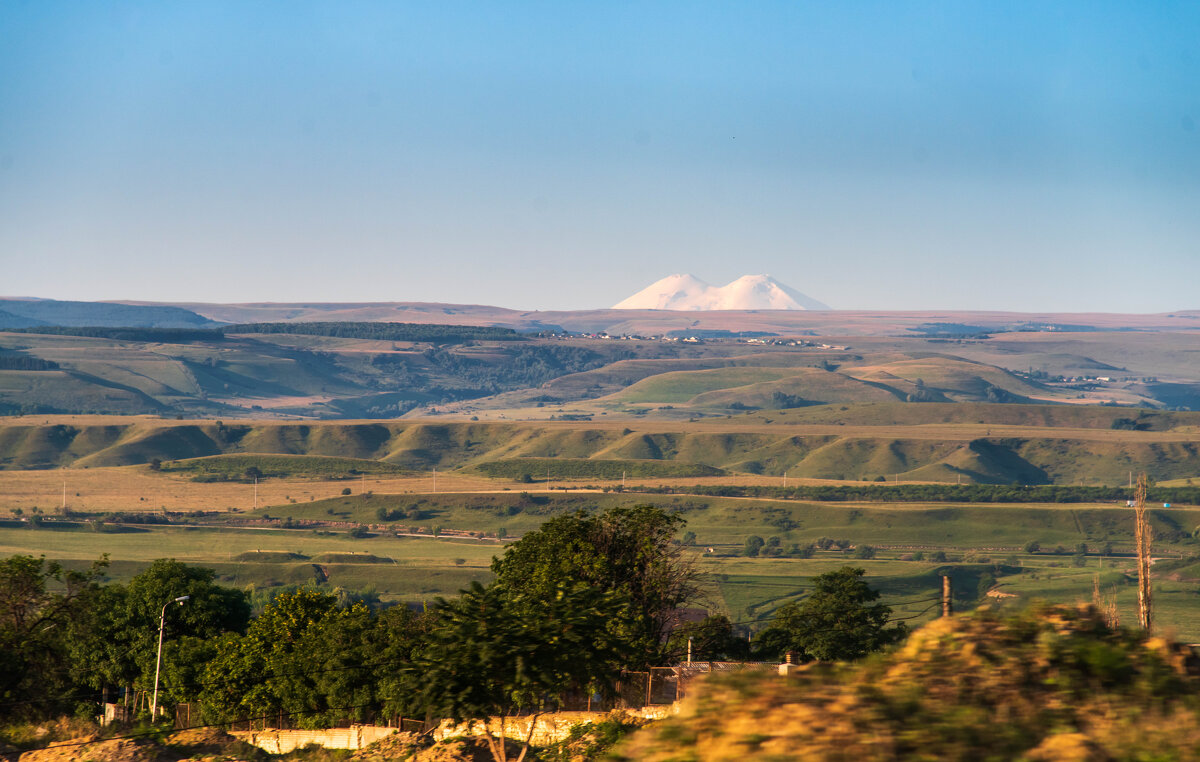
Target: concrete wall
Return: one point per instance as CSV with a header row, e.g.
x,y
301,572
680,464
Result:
x,y
283,741
548,728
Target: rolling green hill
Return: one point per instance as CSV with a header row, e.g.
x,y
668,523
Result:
x,y
964,453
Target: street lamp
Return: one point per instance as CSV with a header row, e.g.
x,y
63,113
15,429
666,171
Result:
x,y
162,618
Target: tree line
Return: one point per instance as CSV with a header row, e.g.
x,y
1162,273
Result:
x,y
435,333
939,493
572,605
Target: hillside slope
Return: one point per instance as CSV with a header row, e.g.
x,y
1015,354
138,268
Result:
x,y
979,453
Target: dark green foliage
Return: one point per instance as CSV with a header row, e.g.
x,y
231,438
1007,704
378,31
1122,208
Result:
x,y
309,656
39,602
782,401
423,332
116,644
16,361
496,650
753,546
713,639
942,493
626,551
523,367
526,470
838,621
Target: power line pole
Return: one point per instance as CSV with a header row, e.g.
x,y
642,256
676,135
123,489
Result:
x,y
947,600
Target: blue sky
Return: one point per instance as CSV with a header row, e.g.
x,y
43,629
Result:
x,y
882,155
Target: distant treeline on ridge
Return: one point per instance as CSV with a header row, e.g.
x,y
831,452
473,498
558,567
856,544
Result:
x,y
432,333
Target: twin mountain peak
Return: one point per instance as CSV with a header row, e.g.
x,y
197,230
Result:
x,y
749,292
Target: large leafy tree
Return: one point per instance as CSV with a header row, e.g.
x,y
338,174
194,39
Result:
x,y
839,620
267,670
39,601
496,651
627,551
118,644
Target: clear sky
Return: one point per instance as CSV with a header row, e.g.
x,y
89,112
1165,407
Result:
x,y
562,155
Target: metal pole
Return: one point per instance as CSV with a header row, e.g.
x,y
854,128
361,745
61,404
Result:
x,y
162,619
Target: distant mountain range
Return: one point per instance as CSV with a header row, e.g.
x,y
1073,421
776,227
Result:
x,y
687,293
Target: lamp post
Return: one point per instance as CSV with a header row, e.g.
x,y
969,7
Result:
x,y
162,618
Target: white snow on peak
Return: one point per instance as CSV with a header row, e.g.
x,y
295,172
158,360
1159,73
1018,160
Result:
x,y
674,292
749,292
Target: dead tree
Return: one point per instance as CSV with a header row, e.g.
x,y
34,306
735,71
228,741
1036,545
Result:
x,y
1144,534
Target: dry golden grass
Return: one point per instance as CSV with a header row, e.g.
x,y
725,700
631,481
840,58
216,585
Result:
x,y
137,488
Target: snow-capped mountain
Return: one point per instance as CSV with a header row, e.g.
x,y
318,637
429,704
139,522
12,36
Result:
x,y
689,293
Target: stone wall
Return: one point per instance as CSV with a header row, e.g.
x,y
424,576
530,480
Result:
x,y
548,728
283,741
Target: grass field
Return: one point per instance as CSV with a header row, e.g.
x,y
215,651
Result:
x,y
976,538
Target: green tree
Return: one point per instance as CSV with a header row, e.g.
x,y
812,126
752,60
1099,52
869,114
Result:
x,y
627,551
118,644
39,601
496,651
754,545
838,621
268,670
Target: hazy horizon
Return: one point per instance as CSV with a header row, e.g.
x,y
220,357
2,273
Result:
x,y
911,156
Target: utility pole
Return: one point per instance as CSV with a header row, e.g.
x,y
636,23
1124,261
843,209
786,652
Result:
x,y
162,618
947,601
64,504
435,480
256,493
622,480
785,479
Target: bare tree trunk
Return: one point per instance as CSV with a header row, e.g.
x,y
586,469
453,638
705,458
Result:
x,y
1144,534
495,746
529,736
